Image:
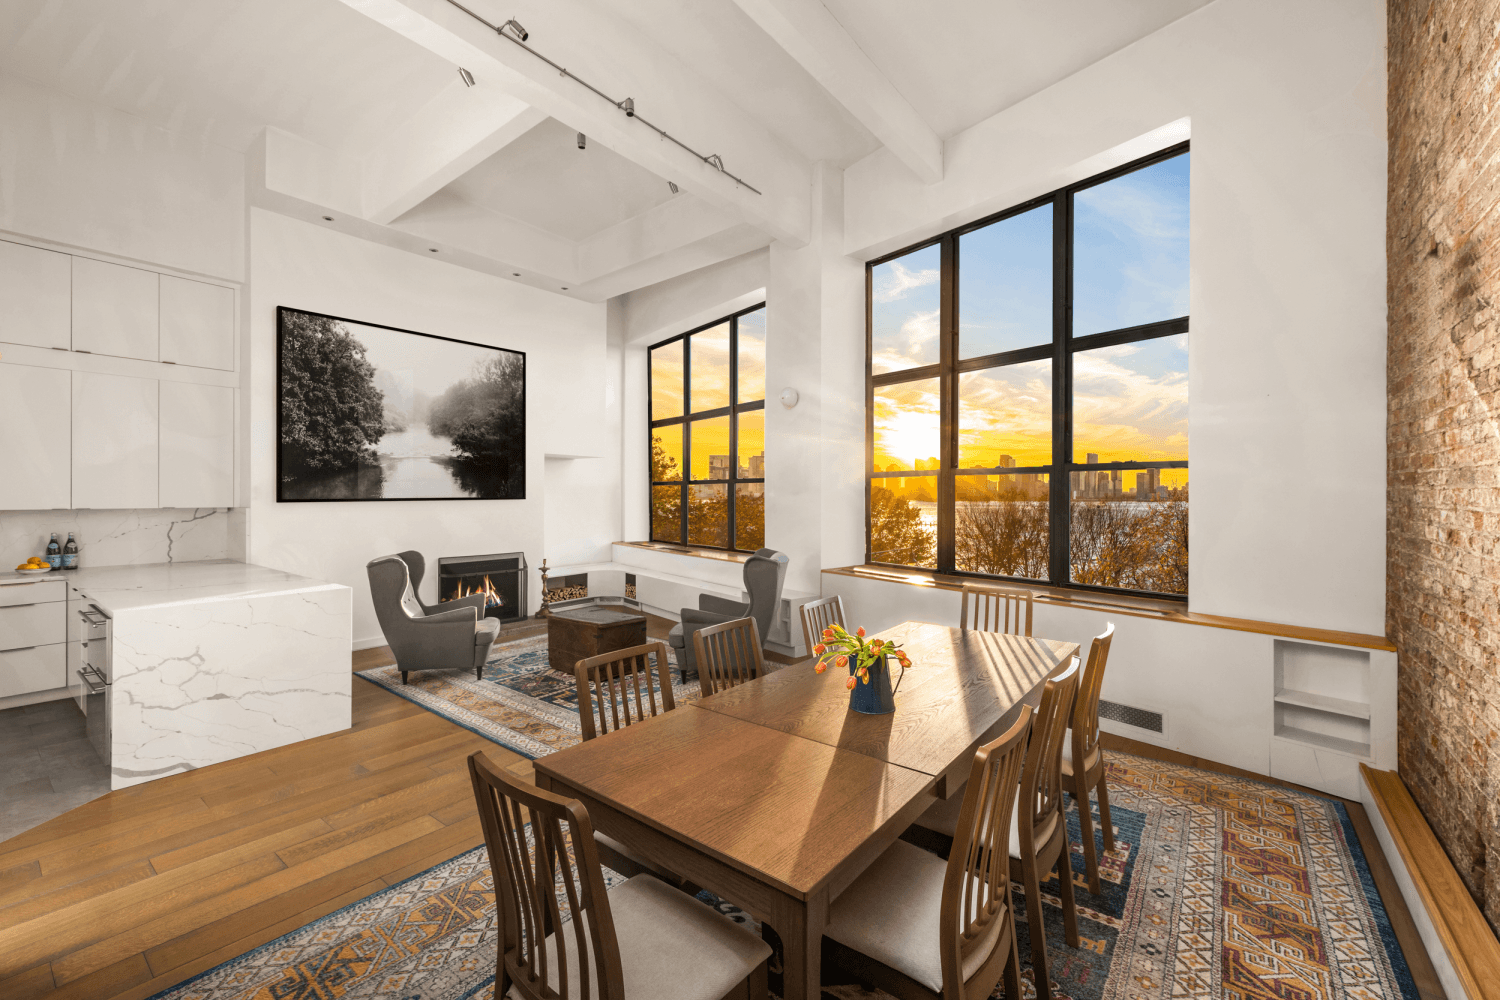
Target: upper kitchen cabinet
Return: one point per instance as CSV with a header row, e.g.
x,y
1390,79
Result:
x,y
35,291
115,310
197,323
115,449
35,465
197,445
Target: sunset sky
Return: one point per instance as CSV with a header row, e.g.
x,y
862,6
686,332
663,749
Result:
x,y
1130,267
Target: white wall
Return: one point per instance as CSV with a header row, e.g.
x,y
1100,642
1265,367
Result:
x,y
94,178
301,265
1287,371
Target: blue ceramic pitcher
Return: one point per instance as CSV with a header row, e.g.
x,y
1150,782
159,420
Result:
x,y
876,697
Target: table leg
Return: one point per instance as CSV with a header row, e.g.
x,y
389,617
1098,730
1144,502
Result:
x,y
800,925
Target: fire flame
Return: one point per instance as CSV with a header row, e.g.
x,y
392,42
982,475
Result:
x,y
492,597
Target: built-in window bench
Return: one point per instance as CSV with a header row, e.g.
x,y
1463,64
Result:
x,y
665,579
1307,705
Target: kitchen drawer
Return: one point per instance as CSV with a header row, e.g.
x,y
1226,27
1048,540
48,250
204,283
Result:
x,y
35,591
40,668
33,625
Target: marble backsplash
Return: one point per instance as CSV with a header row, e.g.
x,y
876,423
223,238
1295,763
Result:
x,y
120,537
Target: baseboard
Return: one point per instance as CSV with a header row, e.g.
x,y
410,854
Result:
x,y
34,698
369,643
1464,950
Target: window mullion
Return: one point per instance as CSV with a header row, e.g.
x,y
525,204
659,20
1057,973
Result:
x,y
687,434
948,402
730,541
1062,388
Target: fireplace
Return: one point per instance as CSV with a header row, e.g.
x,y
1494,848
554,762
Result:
x,y
501,577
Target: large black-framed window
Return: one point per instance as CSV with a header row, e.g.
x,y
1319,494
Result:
x,y
1026,397
708,430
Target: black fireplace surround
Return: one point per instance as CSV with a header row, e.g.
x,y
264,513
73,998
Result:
x,y
501,576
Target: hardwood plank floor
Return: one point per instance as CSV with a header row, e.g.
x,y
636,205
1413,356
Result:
x,y
148,886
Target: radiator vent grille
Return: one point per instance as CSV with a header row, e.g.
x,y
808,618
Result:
x,y
1140,718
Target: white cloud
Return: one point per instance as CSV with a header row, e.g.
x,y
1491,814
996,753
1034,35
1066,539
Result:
x,y
897,281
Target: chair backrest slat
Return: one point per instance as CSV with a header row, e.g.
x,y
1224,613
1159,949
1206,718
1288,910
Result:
x,y
976,885
1086,708
1041,780
619,688
728,655
534,942
995,609
818,615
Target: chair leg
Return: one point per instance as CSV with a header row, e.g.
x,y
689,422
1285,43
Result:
x,y
1013,965
1065,890
403,677
1036,929
1086,830
479,673
1104,820
757,984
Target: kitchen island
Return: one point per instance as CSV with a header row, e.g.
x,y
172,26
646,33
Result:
x,y
210,661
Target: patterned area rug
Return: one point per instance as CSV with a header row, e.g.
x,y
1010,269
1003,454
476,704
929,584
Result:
x,y
1219,887
520,703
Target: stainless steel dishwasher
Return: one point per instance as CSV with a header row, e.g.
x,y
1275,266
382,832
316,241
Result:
x,y
97,675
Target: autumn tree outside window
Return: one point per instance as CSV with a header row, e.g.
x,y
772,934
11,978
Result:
x,y
1027,398
707,416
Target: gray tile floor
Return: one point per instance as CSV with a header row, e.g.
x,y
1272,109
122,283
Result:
x,y
47,765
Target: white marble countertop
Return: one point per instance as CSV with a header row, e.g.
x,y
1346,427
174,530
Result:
x,y
151,585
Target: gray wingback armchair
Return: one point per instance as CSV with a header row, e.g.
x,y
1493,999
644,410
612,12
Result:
x,y
765,573
457,637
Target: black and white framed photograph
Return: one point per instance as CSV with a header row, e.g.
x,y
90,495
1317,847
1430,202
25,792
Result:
x,y
370,412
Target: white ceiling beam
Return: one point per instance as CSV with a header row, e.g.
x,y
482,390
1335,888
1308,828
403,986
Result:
x,y
816,40
453,133
617,58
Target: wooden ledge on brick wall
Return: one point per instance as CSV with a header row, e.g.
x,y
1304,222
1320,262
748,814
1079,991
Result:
x,y
1471,945
1118,604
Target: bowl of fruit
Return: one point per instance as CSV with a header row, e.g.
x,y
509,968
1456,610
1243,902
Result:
x,y
33,566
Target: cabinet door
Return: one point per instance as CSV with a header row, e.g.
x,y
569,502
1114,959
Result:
x,y
114,441
38,668
197,445
197,323
35,296
115,309
35,466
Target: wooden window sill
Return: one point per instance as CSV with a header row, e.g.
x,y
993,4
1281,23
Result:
x,y
722,555
1121,604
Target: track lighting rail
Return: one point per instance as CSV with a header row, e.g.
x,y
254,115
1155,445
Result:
x,y
628,105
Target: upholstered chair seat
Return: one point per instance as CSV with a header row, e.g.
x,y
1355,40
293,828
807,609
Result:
x,y
764,575
454,635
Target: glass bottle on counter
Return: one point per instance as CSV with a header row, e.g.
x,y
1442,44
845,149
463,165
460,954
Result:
x,y
70,553
54,553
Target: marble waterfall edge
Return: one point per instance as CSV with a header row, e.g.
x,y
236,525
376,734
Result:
x,y
201,682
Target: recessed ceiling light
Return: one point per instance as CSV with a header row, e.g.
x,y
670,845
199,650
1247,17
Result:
x,y
327,218
432,249
565,288
515,274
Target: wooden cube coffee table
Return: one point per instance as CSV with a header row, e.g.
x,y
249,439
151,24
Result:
x,y
579,633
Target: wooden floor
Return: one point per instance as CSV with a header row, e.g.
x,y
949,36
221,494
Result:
x,y
148,886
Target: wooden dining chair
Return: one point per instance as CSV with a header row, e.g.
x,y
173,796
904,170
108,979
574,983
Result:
x,y
1039,839
995,609
1082,760
616,689
916,926
561,936
818,615
728,655
620,687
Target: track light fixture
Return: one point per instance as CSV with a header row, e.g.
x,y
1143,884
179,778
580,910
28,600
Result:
x,y
583,140
466,77
512,32
673,186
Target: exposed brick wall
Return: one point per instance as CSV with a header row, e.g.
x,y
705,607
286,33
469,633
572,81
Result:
x,y
1443,579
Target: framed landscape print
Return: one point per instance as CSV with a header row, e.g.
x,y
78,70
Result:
x,y
369,412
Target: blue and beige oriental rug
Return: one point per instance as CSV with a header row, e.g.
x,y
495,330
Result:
x,y
1219,887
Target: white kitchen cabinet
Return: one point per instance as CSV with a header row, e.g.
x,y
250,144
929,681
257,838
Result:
x,y
115,426
115,310
35,460
197,323
35,668
35,296
197,445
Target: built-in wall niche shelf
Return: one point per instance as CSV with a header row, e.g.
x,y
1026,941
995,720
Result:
x,y
1323,696
1323,703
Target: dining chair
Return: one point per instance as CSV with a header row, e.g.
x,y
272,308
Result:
x,y
1039,836
561,936
996,609
917,926
1082,760
616,689
728,655
818,615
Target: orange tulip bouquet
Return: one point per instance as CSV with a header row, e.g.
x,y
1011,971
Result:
x,y
869,674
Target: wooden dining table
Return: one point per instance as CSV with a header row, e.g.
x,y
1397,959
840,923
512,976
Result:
x,y
775,796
